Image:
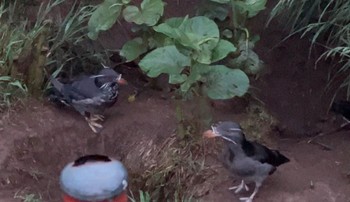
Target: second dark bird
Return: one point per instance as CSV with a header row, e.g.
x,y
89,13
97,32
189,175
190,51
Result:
x,y
250,161
89,95
342,107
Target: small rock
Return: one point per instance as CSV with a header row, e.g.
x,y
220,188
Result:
x,y
312,186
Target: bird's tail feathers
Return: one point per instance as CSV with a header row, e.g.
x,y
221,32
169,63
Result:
x,y
341,107
279,158
273,169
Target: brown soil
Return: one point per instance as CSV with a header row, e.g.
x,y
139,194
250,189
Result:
x,y
39,139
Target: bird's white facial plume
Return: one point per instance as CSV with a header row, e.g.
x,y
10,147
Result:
x,y
104,66
218,134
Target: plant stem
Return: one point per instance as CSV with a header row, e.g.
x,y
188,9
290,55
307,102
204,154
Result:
x,y
36,69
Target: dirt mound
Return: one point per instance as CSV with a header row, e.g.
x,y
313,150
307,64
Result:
x,y
40,140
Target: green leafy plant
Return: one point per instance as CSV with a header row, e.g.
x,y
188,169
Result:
x,y
188,46
193,45
105,16
15,49
30,51
71,52
190,51
184,48
24,52
10,89
238,12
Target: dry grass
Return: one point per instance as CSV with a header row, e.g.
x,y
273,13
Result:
x,y
174,168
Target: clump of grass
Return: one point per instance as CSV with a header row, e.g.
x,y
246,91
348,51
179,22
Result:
x,y
13,45
327,23
177,168
10,88
31,51
71,52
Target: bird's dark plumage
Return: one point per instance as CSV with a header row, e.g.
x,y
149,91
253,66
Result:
x,y
342,107
91,158
251,161
89,95
263,154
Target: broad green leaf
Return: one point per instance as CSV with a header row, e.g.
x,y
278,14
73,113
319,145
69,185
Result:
x,y
213,10
5,78
104,17
252,7
224,83
203,55
222,50
200,30
133,49
200,34
157,40
170,27
221,1
192,32
150,13
177,78
166,60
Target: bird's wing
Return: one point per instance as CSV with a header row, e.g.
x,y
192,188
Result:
x,y
249,168
68,91
245,170
86,87
238,163
263,154
97,101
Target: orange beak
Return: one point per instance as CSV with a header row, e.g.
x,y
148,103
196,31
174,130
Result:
x,y
209,134
122,81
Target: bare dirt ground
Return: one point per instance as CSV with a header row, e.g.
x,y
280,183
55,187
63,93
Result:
x,y
37,140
